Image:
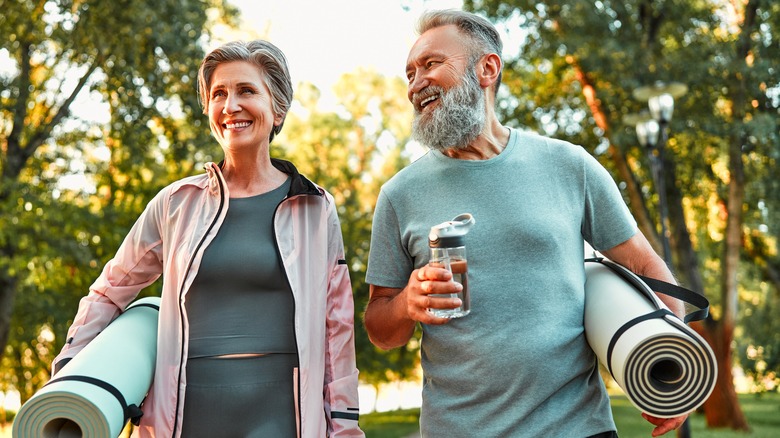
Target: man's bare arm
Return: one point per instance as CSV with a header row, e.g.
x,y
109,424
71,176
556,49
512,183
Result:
x,y
638,256
392,313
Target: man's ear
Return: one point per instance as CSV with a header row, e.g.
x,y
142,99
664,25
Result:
x,y
488,69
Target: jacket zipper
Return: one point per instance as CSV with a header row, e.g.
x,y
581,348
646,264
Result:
x,y
295,314
181,308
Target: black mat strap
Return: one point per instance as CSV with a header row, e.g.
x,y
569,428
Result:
x,y
131,412
675,291
660,313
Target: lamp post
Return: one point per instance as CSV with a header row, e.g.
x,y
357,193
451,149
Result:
x,y
652,133
648,132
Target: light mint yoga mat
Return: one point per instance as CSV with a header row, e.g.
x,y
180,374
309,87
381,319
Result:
x,y
665,368
85,399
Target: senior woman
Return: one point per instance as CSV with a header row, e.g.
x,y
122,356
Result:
x,y
256,319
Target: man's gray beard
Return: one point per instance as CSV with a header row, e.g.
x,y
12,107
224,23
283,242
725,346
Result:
x,y
458,120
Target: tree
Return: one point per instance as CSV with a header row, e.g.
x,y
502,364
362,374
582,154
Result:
x,y
572,77
102,93
351,151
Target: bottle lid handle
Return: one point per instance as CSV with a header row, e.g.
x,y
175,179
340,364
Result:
x,y
457,227
463,220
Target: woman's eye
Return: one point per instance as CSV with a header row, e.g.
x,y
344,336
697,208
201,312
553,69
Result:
x,y
217,93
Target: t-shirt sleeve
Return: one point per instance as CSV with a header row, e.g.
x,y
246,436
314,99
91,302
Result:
x,y
389,262
607,221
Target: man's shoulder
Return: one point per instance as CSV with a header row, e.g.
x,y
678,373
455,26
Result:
x,y
411,175
550,151
533,139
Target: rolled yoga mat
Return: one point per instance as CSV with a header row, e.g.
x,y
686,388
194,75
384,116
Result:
x,y
665,368
95,393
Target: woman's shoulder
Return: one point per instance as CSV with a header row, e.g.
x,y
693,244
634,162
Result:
x,y
196,182
186,187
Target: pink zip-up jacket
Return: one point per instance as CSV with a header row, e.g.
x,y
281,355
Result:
x,y
169,239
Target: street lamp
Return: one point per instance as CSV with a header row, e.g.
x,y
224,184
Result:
x,y
653,136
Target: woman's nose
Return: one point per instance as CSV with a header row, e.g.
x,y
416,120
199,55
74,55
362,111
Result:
x,y
231,105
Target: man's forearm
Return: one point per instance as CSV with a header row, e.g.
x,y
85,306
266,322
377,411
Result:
x,y
387,323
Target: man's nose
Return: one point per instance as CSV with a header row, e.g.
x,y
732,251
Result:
x,y
417,84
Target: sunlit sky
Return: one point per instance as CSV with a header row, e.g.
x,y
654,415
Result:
x,y
325,39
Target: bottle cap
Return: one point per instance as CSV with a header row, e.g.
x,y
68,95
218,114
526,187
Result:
x,y
450,233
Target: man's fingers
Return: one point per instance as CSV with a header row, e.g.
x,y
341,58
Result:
x,y
664,425
433,273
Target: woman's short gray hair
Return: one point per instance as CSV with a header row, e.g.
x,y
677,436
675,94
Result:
x,y
272,65
483,35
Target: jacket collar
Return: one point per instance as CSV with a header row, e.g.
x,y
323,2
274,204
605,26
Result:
x,y
299,184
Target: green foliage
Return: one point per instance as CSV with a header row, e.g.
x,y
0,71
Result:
x,y
102,94
729,58
136,62
351,151
758,344
394,424
762,412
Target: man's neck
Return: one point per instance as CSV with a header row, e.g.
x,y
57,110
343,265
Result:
x,y
490,143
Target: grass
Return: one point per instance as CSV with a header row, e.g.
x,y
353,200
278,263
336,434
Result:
x,y
393,424
762,412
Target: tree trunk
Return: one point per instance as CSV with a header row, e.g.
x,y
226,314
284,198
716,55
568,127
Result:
x,y
687,261
722,408
7,292
636,200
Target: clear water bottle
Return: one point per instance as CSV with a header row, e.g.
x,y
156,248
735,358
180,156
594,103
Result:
x,y
448,251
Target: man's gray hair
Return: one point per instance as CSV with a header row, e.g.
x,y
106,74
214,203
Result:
x,y
483,35
269,60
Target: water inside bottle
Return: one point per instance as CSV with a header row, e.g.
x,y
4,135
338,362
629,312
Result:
x,y
459,269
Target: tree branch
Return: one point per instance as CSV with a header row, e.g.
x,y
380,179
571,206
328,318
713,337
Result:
x,y
14,163
634,193
48,125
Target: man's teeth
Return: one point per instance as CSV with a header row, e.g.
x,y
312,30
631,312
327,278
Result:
x,y
428,100
237,125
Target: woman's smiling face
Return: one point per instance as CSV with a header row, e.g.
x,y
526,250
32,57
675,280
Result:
x,y
240,106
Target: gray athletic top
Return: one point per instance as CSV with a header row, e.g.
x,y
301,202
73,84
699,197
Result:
x,y
519,365
240,301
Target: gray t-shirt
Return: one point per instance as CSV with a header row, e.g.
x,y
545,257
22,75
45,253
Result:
x,y
519,364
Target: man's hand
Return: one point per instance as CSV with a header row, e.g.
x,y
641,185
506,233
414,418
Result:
x,y
425,282
664,425
392,314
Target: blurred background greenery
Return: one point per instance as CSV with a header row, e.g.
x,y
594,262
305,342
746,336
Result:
x,y
74,179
